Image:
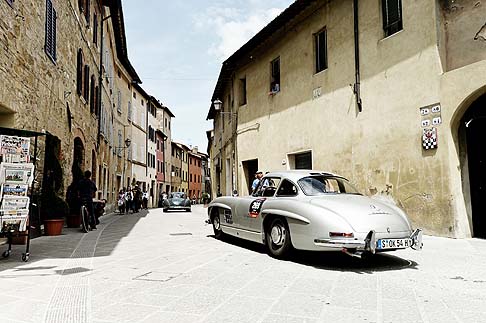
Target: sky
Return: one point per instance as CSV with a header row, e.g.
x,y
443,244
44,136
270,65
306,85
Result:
x,y
177,48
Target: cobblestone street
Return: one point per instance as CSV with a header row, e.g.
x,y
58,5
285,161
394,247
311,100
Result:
x,y
166,267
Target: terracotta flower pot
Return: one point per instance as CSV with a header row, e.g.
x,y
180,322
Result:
x,y
53,227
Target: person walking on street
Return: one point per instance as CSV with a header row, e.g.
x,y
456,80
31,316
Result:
x,y
121,201
145,200
86,192
128,200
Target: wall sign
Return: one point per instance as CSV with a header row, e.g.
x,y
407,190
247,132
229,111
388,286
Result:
x,y
429,138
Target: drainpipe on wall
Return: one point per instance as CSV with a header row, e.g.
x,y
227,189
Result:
x,y
357,85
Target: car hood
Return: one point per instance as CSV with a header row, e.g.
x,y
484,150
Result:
x,y
363,213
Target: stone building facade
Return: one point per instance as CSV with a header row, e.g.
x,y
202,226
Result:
x,y
360,88
52,83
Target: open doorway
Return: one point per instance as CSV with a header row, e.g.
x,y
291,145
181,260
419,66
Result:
x,y
472,131
250,167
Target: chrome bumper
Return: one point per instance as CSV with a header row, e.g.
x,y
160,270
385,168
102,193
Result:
x,y
368,244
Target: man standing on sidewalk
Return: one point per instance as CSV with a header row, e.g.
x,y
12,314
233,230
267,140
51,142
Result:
x,y
86,192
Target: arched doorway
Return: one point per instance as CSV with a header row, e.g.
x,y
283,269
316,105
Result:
x,y
472,133
78,159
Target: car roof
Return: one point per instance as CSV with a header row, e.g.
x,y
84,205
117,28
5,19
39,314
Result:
x,y
295,175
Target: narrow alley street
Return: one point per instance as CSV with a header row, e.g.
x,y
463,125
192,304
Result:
x,y
167,267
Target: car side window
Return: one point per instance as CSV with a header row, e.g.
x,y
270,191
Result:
x,y
287,188
268,186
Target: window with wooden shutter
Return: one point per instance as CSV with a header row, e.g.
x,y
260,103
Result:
x,y
87,10
392,16
97,100
92,96
86,82
79,73
81,5
50,38
95,29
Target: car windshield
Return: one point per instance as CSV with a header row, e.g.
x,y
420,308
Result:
x,y
177,195
322,184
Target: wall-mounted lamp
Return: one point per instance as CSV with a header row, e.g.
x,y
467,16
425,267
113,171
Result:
x,y
218,105
127,144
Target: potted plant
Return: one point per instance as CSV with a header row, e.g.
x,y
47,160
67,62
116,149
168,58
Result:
x,y
55,210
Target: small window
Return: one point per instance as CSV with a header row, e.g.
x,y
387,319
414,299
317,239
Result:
x,y
86,83
243,91
95,29
79,73
129,114
134,95
392,16
92,96
320,40
275,76
119,103
50,39
87,11
287,188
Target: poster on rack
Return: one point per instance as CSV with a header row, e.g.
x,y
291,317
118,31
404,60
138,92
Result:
x,y
12,173
15,203
14,190
15,149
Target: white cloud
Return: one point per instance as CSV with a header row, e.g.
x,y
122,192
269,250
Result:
x,y
234,27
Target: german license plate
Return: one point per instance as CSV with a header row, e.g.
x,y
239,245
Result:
x,y
393,243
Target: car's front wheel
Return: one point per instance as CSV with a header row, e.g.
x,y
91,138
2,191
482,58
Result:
x,y
218,232
278,238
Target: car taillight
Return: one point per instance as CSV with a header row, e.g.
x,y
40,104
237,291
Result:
x,y
340,235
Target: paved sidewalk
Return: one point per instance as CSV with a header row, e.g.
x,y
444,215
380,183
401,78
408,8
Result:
x,y
166,267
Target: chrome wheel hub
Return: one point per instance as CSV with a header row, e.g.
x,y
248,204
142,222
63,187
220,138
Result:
x,y
278,235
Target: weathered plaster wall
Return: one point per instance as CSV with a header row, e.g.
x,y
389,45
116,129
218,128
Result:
x,y
464,31
378,149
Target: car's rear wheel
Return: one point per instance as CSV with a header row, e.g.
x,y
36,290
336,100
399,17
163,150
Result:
x,y
218,232
278,238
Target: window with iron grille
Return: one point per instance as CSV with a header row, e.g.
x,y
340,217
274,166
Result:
x,y
320,43
392,16
50,41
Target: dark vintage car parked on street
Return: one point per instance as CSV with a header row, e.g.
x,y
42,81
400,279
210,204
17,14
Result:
x,y
176,201
313,210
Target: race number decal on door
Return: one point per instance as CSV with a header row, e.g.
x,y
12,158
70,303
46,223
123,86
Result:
x,y
255,208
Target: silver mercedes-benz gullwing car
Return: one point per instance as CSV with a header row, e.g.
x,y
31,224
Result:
x,y
313,210
176,201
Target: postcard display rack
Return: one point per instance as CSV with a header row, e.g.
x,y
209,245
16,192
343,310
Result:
x,y
16,177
